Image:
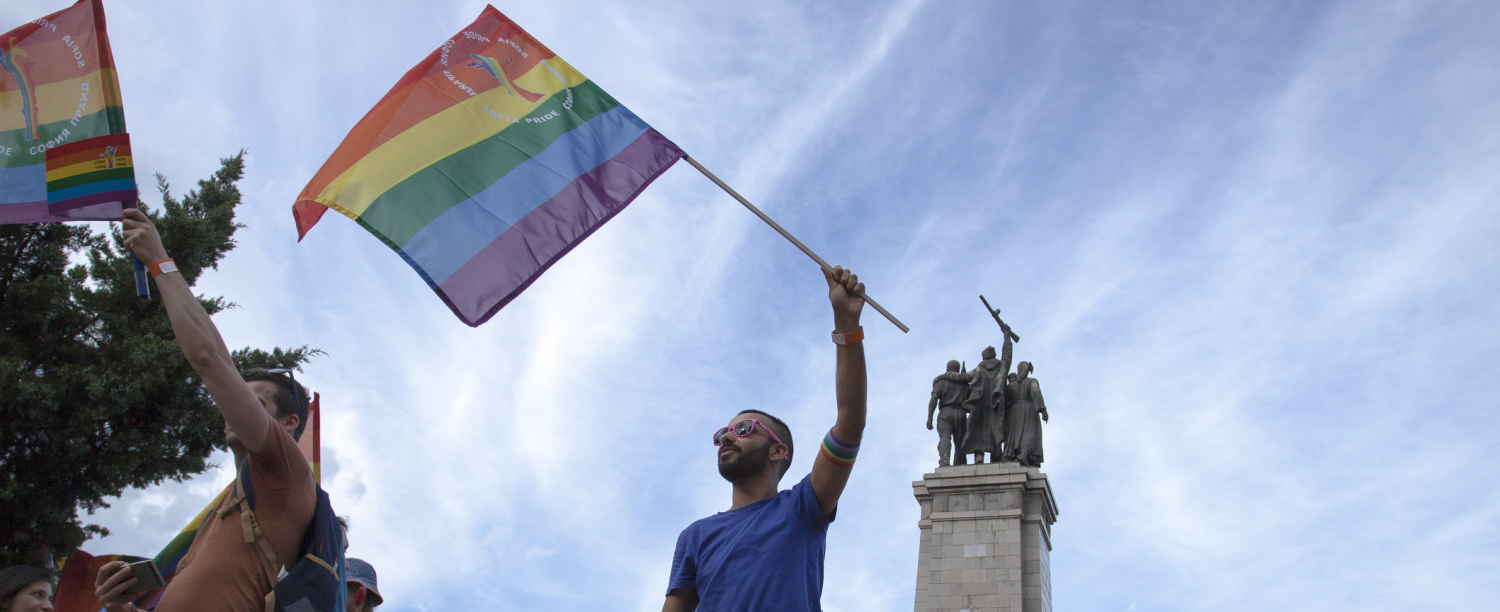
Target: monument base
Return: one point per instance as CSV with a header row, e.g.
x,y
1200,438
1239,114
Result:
x,y
986,539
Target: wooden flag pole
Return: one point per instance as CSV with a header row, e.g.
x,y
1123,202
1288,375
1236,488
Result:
x,y
788,236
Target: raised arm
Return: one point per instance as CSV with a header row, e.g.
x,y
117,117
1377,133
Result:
x,y
1006,350
828,476
200,340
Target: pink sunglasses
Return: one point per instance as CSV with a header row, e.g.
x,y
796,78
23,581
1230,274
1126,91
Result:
x,y
743,429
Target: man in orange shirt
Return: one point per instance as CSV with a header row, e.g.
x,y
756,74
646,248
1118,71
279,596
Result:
x,y
264,413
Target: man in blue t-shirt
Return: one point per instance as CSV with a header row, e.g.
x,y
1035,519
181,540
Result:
x,y
765,554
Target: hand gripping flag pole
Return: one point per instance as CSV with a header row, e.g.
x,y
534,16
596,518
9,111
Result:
x,y
142,284
142,280
788,235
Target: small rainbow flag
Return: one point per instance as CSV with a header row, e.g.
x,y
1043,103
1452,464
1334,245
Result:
x,y
311,443
57,88
90,178
485,164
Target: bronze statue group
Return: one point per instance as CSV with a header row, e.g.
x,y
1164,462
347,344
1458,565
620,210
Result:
x,y
988,410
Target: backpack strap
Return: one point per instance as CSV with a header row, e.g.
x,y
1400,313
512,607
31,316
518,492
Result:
x,y
323,564
244,499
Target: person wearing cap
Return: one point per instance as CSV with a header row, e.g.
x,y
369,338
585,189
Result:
x,y
264,414
364,595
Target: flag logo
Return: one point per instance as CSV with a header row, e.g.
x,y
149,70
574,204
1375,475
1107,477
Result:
x,y
10,59
496,68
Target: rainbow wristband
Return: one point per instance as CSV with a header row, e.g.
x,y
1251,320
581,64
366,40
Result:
x,y
838,452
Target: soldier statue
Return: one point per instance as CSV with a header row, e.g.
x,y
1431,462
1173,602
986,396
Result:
x,y
986,403
949,390
1025,412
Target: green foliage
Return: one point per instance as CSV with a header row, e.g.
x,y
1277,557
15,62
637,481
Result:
x,y
95,395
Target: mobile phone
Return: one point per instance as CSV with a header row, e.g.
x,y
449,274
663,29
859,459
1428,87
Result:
x,y
147,577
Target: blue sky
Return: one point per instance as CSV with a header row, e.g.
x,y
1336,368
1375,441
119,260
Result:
x,y
1244,244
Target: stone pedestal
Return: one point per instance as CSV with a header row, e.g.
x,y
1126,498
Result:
x,y
986,539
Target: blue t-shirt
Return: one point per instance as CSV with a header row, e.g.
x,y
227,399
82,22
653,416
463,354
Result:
x,y
764,557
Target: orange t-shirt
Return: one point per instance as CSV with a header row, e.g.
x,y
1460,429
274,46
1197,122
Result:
x,y
221,572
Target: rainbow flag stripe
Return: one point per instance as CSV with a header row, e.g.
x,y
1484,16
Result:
x,y
57,87
485,164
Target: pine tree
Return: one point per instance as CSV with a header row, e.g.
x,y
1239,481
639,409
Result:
x,y
95,395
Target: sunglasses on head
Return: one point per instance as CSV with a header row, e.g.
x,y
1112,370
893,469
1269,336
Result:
x,y
744,429
296,388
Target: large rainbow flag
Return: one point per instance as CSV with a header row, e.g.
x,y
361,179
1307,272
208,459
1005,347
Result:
x,y
485,164
58,88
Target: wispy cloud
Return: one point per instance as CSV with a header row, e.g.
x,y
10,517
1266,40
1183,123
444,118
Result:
x,y
1247,246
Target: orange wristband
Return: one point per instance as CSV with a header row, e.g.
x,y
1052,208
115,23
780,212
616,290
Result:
x,y
855,337
162,267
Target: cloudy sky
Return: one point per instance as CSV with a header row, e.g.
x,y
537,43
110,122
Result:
x,y
1244,244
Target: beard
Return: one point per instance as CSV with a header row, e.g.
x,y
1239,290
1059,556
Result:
x,y
746,464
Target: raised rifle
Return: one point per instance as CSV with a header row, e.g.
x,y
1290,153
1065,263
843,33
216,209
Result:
x,y
995,312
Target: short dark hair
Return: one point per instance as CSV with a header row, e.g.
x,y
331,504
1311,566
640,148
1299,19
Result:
x,y
16,577
783,432
291,396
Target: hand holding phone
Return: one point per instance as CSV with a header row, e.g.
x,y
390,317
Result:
x,y
119,582
147,577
